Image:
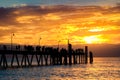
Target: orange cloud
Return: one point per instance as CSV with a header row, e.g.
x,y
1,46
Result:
x,y
26,19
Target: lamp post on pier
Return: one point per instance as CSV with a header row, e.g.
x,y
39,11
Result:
x,y
39,40
12,40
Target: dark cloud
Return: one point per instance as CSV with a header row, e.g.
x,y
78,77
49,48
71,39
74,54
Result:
x,y
112,10
8,15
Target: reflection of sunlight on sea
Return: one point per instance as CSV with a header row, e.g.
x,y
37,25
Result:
x,y
101,69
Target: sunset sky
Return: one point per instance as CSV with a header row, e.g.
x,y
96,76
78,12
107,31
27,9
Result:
x,y
53,21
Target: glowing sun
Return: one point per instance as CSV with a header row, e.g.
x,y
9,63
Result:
x,y
92,39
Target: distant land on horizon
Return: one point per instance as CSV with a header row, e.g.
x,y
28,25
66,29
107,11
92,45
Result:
x,y
99,50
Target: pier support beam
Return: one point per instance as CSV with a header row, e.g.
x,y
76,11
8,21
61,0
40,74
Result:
x,y
91,57
86,54
4,61
25,60
46,59
70,53
15,55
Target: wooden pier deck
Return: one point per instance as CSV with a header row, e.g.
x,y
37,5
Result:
x,y
43,56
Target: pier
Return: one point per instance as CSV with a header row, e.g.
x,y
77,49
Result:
x,y
43,56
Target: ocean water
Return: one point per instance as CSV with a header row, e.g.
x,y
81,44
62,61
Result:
x,y
103,68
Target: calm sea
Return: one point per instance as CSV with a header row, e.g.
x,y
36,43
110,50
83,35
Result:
x,y
103,68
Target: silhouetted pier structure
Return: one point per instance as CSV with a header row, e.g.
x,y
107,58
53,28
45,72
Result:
x,y
43,56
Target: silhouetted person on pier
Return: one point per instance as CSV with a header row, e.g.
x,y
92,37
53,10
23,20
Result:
x,y
18,47
38,48
43,49
25,47
4,47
